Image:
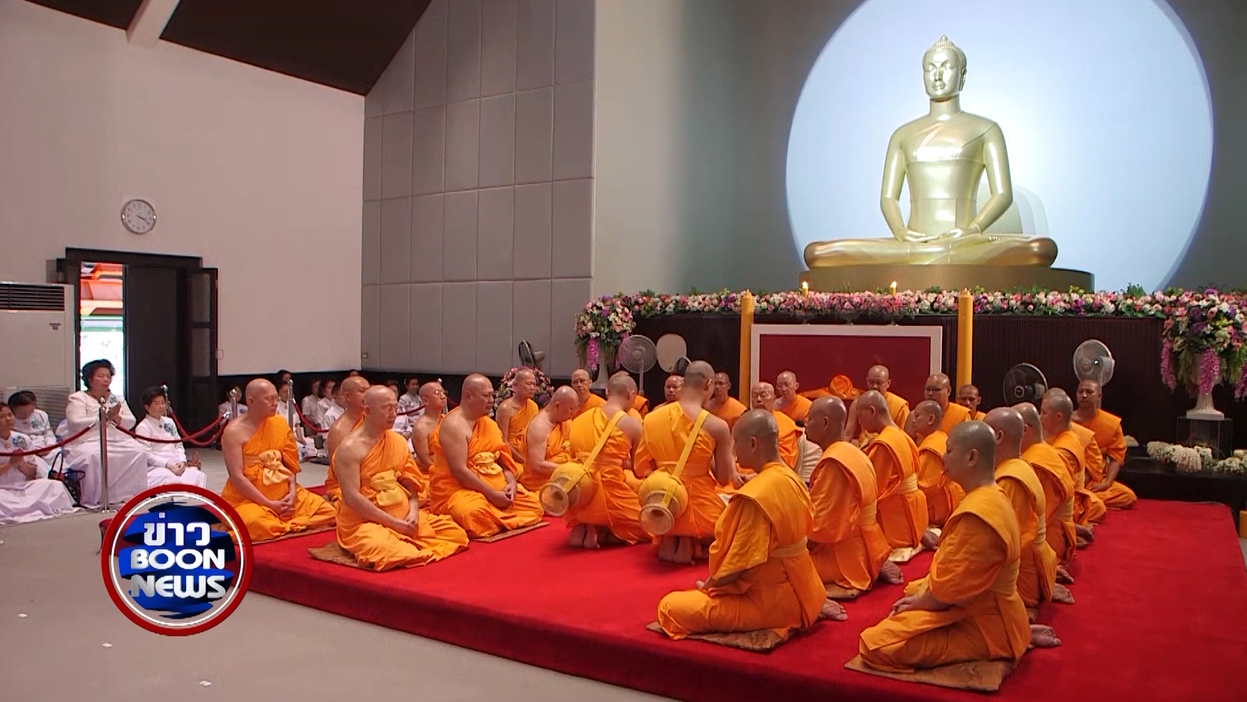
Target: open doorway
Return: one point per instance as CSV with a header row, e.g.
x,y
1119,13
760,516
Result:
x,y
101,317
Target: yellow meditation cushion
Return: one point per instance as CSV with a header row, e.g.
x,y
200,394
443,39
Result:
x,y
570,485
663,500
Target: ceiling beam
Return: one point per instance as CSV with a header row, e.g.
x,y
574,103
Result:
x,y
149,22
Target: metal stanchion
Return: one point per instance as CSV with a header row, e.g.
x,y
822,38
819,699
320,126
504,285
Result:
x,y
168,405
233,403
107,505
290,410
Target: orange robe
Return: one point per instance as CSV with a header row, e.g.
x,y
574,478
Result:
x,y
487,457
761,536
517,427
333,493
902,506
798,408
558,450
1058,488
942,494
614,502
1037,565
375,545
311,511
641,405
1088,508
898,409
662,441
975,570
730,411
591,402
1106,430
847,545
789,447
954,414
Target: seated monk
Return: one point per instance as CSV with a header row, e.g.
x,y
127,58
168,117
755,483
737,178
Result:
x,y
581,383
761,575
262,460
626,379
665,434
762,396
846,543
938,389
1058,487
515,412
602,440
433,397
671,389
787,400
720,403
1054,414
547,441
902,506
1020,483
942,493
879,379
967,608
968,397
1106,430
473,478
352,391
379,517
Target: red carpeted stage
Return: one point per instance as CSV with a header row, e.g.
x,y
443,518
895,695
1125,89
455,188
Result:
x,y
1161,614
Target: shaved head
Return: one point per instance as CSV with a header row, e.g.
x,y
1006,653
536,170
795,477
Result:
x,y
1060,402
563,404
698,372
258,387
261,399
824,422
619,385
380,406
878,379
377,394
1032,424
477,396
927,418
1089,394
755,438
565,395
1009,427
433,395
762,396
786,384
355,383
1055,412
872,412
970,459
352,390
580,383
968,397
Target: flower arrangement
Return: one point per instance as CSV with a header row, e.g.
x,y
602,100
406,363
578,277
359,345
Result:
x,y
1203,340
1197,459
600,329
545,388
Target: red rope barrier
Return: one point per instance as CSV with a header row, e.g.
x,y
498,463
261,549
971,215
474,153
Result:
x,y
46,449
307,423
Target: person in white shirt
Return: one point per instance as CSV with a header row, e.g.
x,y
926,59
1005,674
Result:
x,y
224,408
30,420
167,463
327,402
127,459
306,444
311,405
335,409
411,400
26,492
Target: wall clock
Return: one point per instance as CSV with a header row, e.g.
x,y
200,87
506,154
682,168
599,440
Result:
x,y
138,216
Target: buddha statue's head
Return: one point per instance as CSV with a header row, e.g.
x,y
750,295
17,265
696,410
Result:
x,y
944,70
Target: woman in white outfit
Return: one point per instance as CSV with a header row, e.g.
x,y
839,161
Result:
x,y
26,492
166,463
127,459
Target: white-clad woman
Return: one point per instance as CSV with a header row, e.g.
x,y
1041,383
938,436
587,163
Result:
x,y
127,458
26,493
166,463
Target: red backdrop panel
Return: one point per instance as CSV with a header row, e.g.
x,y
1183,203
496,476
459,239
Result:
x,y
816,359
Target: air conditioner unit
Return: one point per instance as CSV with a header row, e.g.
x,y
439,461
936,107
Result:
x,y
37,353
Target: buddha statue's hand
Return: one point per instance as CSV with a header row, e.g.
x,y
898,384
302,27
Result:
x,y
912,237
962,232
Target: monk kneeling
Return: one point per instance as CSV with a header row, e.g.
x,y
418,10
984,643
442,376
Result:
x,y
379,517
902,506
761,575
547,440
352,390
263,462
473,478
968,607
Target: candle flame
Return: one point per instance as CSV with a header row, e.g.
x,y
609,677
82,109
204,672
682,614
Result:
x,y
805,286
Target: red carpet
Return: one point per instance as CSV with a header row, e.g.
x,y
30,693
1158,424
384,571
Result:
x,y
1161,614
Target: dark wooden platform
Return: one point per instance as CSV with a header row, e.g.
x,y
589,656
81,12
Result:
x,y
1159,480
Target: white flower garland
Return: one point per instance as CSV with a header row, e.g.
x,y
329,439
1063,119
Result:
x,y
1197,459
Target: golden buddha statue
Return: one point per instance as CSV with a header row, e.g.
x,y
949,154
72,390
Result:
x,y
943,156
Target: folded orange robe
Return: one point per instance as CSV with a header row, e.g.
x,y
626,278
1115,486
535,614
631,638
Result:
x,y
846,543
975,570
270,457
1106,431
1088,507
332,492
488,456
664,434
517,427
902,506
942,493
954,414
761,536
898,409
614,502
1037,565
558,450
377,546
1058,488
591,402
798,408
789,447
730,411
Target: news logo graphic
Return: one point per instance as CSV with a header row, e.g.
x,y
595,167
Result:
x,y
176,560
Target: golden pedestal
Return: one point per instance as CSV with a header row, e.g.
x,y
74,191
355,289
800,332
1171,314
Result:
x,y
945,277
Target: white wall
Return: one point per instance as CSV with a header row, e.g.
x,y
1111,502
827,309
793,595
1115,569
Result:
x,y
258,173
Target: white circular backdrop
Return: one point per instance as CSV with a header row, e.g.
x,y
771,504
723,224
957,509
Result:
x,y
1104,105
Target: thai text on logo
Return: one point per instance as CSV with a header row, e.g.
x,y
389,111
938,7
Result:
x,y
176,560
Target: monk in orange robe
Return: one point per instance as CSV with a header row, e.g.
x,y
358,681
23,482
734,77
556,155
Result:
x,y
762,396
473,479
846,543
1058,486
1055,413
263,463
671,390
641,405
515,412
352,390
787,399
547,441
602,440
942,493
938,389
379,517
665,434
967,608
1037,567
878,379
761,575
902,506
581,383
433,396
1106,430
720,403
968,396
